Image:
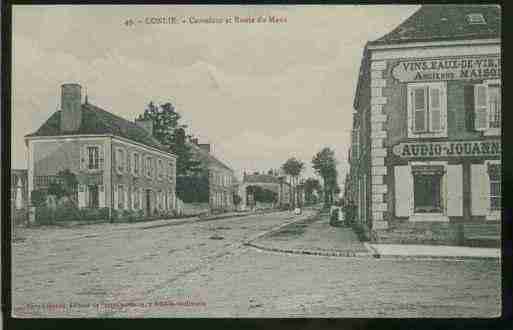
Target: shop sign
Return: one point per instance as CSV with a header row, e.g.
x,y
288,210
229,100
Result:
x,y
456,68
448,149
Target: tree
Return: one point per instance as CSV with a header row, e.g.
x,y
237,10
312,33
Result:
x,y
65,186
325,164
310,185
293,167
171,134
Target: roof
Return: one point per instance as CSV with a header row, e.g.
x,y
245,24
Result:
x,y
205,157
445,22
98,121
261,178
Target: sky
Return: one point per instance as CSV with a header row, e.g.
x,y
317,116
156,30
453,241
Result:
x,y
260,93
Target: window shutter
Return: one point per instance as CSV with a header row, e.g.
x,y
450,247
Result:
x,y
479,189
128,163
403,190
435,109
115,160
454,190
480,107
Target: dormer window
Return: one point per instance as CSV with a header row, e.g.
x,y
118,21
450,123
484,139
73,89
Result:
x,y
475,18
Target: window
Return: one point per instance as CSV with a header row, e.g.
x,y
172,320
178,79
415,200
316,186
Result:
x,y
149,168
494,172
487,107
427,192
427,110
93,154
121,197
135,165
120,166
160,169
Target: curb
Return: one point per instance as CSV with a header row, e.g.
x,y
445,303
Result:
x,y
344,254
302,252
377,255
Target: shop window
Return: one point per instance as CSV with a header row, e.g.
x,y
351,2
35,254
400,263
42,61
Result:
x,y
487,107
494,172
427,192
427,109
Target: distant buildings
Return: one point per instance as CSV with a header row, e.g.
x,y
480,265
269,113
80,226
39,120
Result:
x,y
118,164
272,182
426,144
220,177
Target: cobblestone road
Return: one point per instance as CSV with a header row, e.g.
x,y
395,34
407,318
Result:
x,y
187,270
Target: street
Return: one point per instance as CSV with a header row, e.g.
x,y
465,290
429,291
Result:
x,y
202,269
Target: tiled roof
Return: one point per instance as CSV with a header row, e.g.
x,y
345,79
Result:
x,y
205,157
98,121
445,22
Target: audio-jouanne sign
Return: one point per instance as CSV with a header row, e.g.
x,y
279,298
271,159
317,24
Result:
x,y
448,149
460,68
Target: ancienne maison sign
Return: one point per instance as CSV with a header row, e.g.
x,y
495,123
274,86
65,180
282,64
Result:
x,y
448,149
457,68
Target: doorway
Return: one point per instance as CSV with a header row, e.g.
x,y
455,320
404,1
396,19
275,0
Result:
x,y
93,197
147,203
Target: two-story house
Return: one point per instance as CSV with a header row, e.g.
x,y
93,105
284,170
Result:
x,y
118,163
428,103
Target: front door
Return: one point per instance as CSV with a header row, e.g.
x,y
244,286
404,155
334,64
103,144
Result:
x,y
93,196
147,204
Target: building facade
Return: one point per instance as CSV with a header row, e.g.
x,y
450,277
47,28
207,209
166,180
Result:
x,y
220,177
118,164
426,144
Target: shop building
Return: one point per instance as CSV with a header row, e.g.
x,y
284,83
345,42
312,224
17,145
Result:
x,y
426,147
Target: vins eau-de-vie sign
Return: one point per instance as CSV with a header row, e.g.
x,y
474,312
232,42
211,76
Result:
x,y
458,68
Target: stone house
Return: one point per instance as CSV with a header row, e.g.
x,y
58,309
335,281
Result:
x,y
426,147
118,163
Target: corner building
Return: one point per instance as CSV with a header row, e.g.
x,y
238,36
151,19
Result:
x,y
428,124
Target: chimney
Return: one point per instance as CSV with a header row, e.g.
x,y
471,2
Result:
x,y
147,124
71,112
205,146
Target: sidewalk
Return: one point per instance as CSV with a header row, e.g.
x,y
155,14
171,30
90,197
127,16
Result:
x,y
313,236
431,251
